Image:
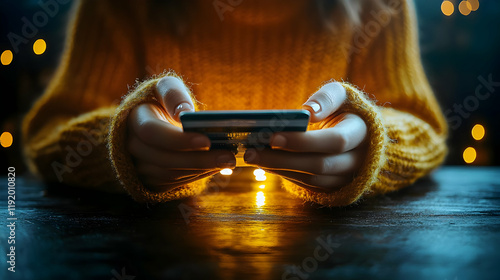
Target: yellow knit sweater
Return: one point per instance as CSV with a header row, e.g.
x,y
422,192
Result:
x,y
257,57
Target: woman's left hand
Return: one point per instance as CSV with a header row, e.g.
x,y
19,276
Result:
x,y
321,160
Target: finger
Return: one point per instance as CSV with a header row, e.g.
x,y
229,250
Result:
x,y
325,101
160,185
297,182
345,136
174,96
314,182
147,124
181,160
310,163
168,175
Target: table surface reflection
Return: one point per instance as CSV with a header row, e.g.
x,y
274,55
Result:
x,y
445,226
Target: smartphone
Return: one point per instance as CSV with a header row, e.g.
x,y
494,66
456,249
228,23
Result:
x,y
236,130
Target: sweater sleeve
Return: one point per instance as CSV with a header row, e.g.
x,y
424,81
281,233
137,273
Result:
x,y
121,159
64,133
406,130
75,133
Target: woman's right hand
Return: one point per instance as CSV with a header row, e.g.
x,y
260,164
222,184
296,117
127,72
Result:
x,y
165,157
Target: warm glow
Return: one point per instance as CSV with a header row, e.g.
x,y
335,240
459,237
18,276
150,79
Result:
x,y
469,155
226,171
447,8
465,8
259,172
478,132
474,4
39,46
260,200
260,178
262,186
6,139
6,57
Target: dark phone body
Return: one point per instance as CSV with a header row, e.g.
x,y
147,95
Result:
x,y
236,129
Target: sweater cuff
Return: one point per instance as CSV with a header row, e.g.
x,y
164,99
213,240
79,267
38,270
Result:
x,y
121,160
356,103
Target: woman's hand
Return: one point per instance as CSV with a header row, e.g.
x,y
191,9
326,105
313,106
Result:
x,y
165,157
321,160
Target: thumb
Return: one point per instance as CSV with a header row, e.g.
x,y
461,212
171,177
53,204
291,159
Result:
x,y
174,96
325,101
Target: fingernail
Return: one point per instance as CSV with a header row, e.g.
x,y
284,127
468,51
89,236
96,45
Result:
x,y
251,156
315,107
182,107
225,161
279,141
200,142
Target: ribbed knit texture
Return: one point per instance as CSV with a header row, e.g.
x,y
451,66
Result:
x,y
275,63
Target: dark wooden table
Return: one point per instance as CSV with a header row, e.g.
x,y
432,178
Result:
x,y
446,226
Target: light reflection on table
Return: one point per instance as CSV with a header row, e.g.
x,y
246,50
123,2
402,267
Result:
x,y
243,224
443,228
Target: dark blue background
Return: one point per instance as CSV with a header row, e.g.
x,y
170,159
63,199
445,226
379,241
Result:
x,y
456,50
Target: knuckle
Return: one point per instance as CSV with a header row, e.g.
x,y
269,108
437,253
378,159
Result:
x,y
134,116
341,142
335,89
167,81
325,98
313,180
358,158
170,78
168,85
170,176
132,147
146,131
142,169
322,166
319,181
339,91
332,95
171,94
207,160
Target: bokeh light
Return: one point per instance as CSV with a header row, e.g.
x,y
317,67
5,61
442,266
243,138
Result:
x,y
259,172
478,132
447,8
226,171
262,186
465,8
260,178
39,46
470,155
260,200
474,4
6,57
6,139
